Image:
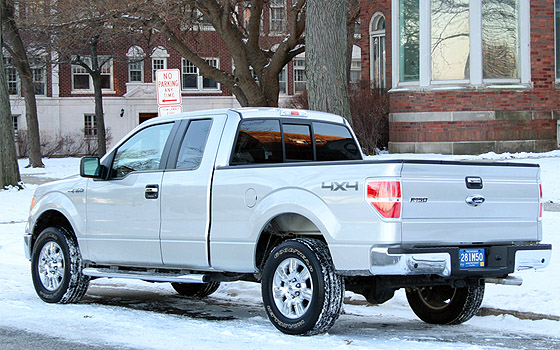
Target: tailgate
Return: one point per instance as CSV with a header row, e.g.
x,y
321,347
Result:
x,y
469,203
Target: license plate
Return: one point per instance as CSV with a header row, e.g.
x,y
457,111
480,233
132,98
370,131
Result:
x,y
472,258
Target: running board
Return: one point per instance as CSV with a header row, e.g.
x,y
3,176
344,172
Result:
x,y
146,275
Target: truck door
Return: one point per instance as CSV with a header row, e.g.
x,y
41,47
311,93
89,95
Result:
x,y
185,193
123,212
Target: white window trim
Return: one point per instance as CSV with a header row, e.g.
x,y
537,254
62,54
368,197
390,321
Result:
x,y
141,63
91,90
372,35
294,72
200,79
285,71
476,75
164,59
285,18
6,56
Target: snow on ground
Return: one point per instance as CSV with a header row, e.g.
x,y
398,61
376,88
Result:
x,y
388,326
55,168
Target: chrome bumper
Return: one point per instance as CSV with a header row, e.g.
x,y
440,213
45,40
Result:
x,y
384,263
444,261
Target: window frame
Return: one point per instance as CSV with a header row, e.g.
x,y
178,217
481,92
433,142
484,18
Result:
x,y
299,68
90,126
378,75
275,9
475,51
556,46
164,155
199,77
9,66
285,161
111,75
15,124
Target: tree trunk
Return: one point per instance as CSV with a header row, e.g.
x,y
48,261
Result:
x,y
24,70
96,77
99,118
9,170
325,57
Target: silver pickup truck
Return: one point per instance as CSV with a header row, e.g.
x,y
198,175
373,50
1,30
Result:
x,y
285,198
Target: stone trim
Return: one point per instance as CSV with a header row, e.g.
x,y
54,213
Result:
x,y
419,117
473,147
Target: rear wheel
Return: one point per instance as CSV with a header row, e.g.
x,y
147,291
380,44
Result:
x,y
445,304
196,290
302,294
56,267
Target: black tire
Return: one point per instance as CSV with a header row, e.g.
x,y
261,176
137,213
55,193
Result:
x,y
196,290
302,273
56,267
445,304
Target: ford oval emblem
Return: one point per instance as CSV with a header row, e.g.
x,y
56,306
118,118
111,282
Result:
x,y
475,201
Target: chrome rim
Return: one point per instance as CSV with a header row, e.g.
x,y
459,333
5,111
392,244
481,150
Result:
x,y
51,266
437,298
292,288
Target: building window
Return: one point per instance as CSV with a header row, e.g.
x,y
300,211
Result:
x,y
135,57
192,80
15,119
11,75
377,53
450,43
355,70
557,21
81,80
90,126
300,80
461,42
136,71
159,60
157,64
283,80
277,16
39,80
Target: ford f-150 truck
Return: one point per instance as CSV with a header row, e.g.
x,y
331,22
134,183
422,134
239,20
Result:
x,y
285,198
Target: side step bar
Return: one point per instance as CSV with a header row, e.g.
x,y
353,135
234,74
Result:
x,y
146,275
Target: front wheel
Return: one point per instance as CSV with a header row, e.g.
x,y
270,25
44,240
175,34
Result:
x,y
56,267
302,294
445,304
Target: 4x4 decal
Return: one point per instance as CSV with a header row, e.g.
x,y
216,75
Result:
x,y
339,186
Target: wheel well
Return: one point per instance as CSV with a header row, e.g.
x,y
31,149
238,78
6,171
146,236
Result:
x,y
283,227
48,219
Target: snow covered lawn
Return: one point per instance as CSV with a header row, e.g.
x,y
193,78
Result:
x,y
151,322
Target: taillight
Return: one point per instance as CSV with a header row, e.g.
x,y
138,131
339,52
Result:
x,y
540,201
385,196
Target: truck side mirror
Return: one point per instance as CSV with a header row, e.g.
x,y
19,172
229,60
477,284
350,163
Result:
x,y
89,167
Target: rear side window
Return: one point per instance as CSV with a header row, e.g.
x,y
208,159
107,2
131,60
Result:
x,y
194,142
297,139
258,141
334,142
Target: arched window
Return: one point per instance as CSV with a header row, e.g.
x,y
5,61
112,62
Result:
x,y
377,51
159,60
135,56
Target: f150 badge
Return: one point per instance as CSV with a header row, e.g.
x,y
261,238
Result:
x,y
339,186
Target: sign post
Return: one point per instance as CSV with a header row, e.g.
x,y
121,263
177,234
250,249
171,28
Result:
x,y
168,85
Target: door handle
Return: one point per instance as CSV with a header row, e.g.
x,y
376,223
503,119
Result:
x,y
151,191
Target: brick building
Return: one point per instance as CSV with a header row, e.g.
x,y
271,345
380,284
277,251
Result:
x,y
466,76
65,96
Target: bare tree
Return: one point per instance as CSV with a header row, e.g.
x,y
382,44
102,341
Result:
x,y
9,170
259,48
325,56
15,46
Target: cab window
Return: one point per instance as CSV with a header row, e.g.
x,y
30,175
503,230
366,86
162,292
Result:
x,y
141,152
258,141
194,142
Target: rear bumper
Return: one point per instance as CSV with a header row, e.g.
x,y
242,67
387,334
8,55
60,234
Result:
x,y
444,261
